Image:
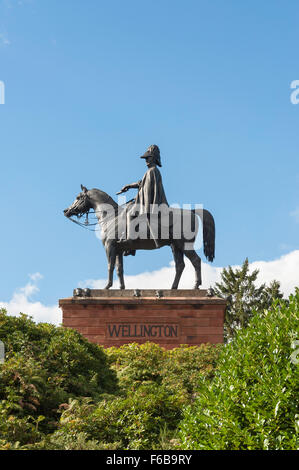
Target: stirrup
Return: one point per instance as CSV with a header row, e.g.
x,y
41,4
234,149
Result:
x,y
130,252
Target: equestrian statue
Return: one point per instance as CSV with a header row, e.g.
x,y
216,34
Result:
x,y
146,223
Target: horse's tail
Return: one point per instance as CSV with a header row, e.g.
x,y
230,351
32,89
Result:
x,y
208,225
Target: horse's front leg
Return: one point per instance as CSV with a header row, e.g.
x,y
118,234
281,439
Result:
x,y
120,270
111,257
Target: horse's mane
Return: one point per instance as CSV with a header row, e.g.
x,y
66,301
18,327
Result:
x,y
104,198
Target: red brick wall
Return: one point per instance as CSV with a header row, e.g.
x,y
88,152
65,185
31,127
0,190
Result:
x,y
169,322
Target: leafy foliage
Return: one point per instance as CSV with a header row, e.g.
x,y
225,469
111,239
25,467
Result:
x,y
253,401
58,391
130,422
153,387
178,369
243,296
44,367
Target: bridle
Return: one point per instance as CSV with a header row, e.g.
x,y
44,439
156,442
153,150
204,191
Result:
x,y
85,224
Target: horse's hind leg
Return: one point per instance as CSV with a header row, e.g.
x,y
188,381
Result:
x,y
120,270
178,256
196,261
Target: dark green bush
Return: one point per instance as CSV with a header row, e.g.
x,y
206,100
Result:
x,y
131,422
79,366
154,385
253,401
44,367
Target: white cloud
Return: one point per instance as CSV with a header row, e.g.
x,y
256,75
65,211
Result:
x,y
36,277
21,302
285,270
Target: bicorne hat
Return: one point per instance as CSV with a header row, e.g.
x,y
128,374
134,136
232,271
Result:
x,y
153,151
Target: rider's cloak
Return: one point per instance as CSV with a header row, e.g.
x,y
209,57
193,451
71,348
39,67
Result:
x,y
150,197
150,192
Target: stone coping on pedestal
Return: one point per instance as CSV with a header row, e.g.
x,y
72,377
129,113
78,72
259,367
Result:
x,y
131,296
116,293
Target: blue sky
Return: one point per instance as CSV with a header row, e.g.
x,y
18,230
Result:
x,y
89,85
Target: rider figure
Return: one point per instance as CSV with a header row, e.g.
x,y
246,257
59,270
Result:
x,y
150,189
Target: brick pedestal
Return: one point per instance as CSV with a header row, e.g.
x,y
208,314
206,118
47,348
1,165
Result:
x,y
169,318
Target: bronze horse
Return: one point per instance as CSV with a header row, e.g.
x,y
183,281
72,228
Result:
x,y
115,246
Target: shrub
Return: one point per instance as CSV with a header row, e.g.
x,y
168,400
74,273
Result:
x,y
58,391
185,367
45,366
131,422
252,403
154,386
136,363
81,366
178,369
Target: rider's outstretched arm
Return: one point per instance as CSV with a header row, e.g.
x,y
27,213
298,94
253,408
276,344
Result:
x,y
129,186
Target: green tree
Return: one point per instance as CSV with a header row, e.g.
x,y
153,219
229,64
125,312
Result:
x,y
243,296
271,293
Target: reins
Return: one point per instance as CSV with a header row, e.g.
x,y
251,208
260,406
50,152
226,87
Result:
x,y
86,224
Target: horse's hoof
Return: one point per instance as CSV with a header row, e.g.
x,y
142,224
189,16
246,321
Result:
x,y
108,286
122,287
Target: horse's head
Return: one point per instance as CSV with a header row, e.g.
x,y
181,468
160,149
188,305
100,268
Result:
x,y
80,206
